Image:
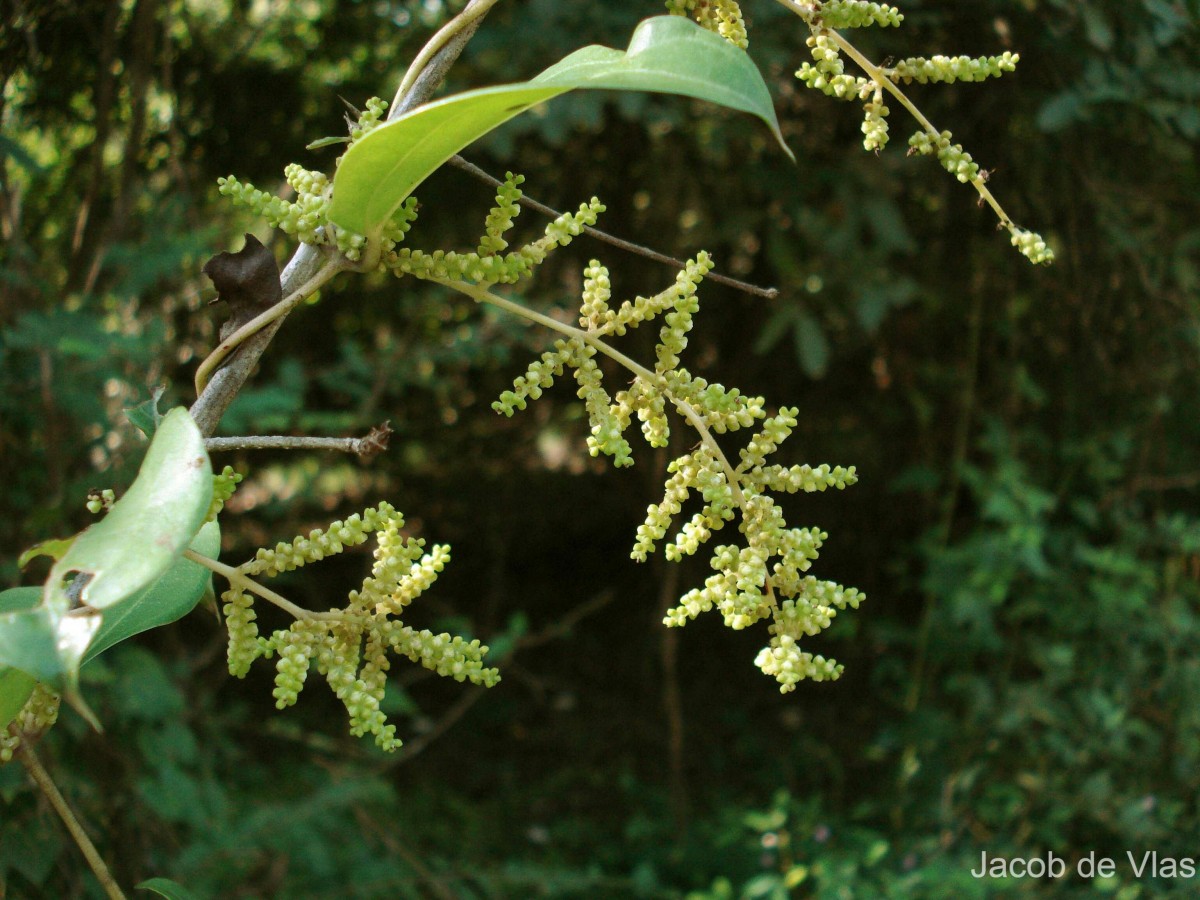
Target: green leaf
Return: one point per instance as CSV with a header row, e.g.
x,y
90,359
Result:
x,y
29,642
165,887
15,685
28,633
15,688
54,548
667,54
672,55
120,558
148,528
326,141
169,599
19,599
145,416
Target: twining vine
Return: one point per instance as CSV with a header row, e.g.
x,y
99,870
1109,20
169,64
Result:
x,y
759,575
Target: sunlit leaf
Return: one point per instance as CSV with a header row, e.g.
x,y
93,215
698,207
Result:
x,y
29,642
170,598
53,548
148,528
667,54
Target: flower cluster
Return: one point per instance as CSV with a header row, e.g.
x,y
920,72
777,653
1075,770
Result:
x,y
224,484
369,118
859,14
950,69
746,587
953,157
38,714
489,264
826,73
721,16
750,583
306,217
100,501
350,646
1032,246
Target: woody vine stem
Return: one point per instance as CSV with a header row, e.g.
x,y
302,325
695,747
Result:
x,y
304,275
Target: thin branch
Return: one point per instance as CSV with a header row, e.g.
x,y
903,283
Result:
x,y
563,626
46,785
769,293
463,704
365,447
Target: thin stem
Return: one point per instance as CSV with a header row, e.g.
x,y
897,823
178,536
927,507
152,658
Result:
x,y
374,442
46,785
437,42
278,311
240,580
769,293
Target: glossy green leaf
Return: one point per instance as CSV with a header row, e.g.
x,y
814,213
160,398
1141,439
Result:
x,y
165,887
667,54
148,528
29,634
169,599
672,55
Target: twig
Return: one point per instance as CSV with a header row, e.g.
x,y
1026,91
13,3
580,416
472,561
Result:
x,y
459,708
46,785
563,626
769,293
375,442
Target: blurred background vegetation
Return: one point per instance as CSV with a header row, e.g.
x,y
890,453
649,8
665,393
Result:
x,y
1024,677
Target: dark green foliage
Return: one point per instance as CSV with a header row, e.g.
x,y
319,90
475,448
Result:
x,y
1025,677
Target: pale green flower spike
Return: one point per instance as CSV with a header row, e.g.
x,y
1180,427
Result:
x,y
306,218
486,266
750,582
826,73
950,69
224,484
859,14
350,645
